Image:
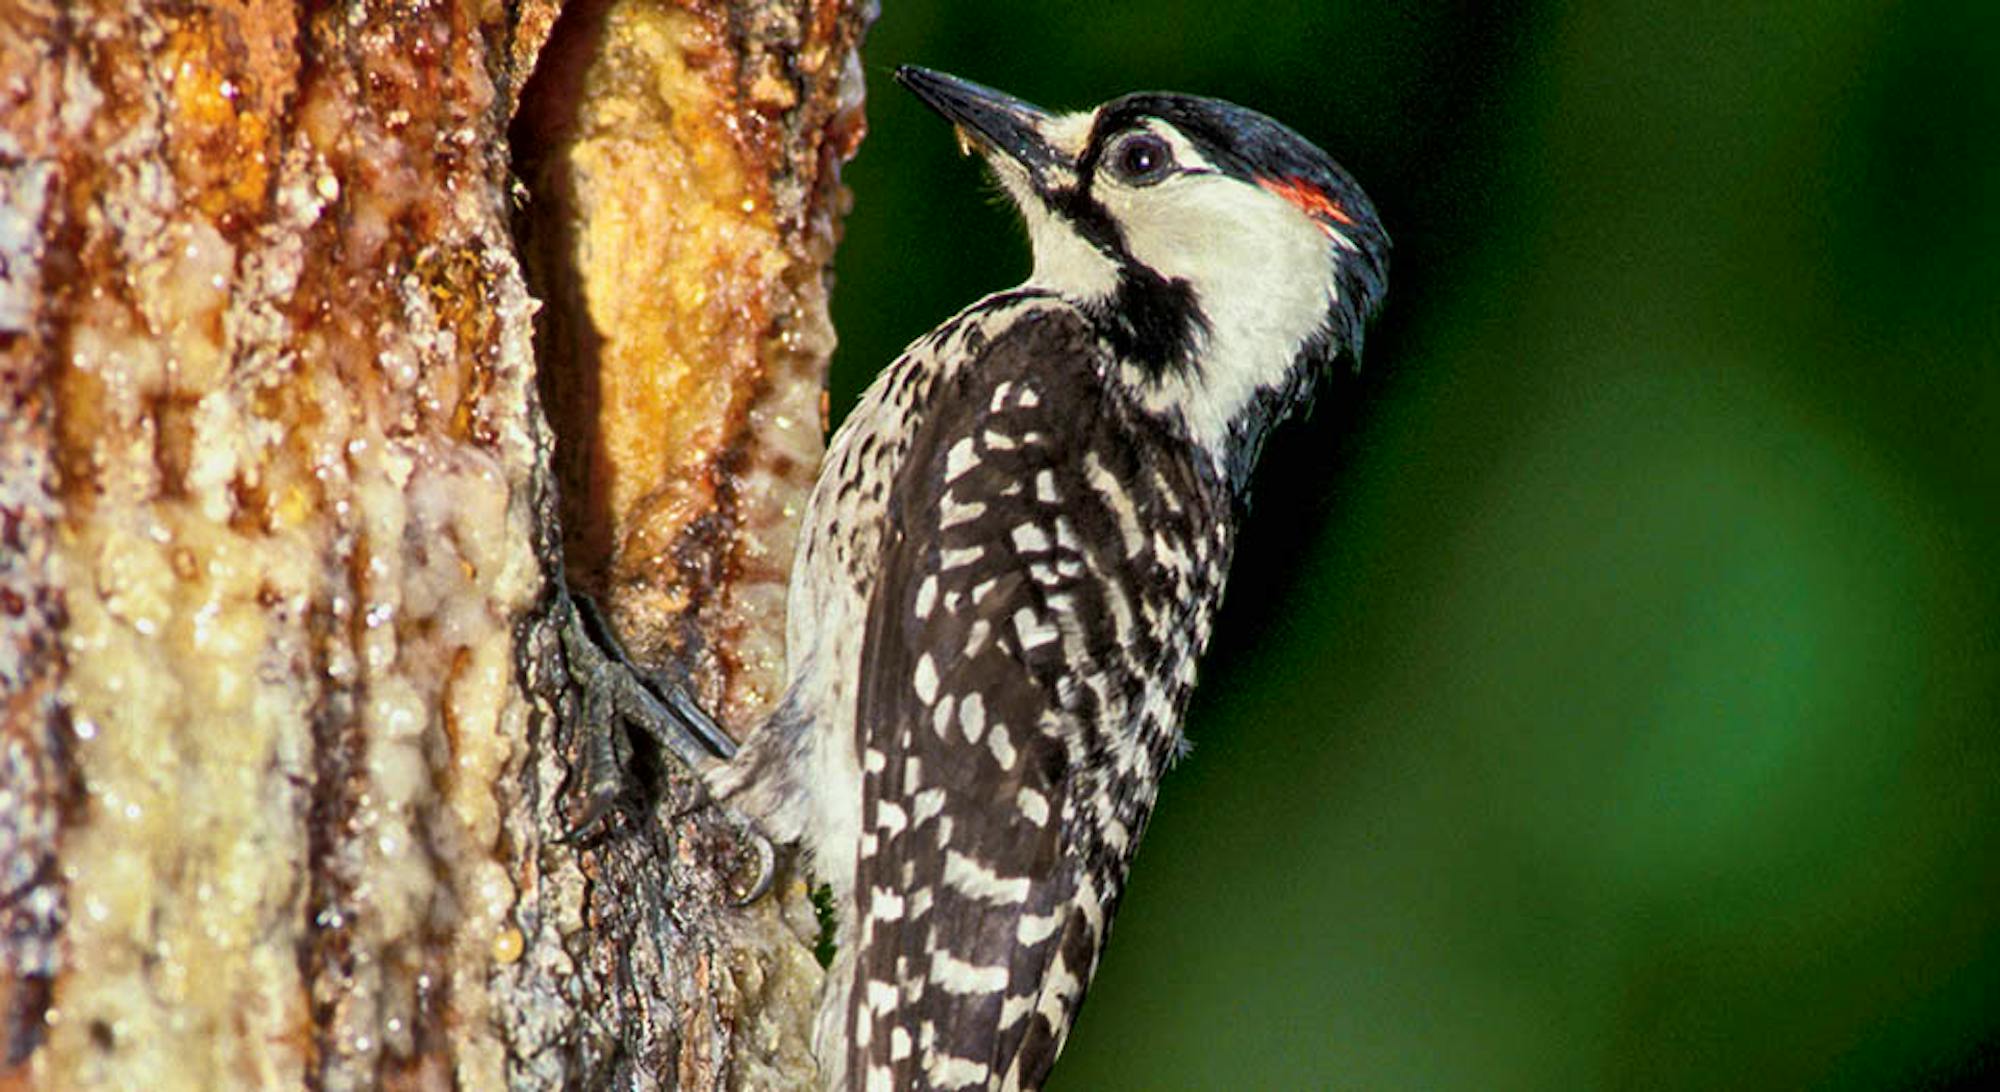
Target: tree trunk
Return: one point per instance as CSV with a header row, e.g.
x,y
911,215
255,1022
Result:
x,y
287,746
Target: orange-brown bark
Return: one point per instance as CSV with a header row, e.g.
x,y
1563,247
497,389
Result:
x,y
283,747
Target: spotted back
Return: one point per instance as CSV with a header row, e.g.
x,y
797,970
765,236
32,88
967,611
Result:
x,y
1051,559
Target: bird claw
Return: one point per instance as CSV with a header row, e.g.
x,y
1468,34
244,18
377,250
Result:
x,y
618,696
605,752
655,704
598,802
617,692
766,861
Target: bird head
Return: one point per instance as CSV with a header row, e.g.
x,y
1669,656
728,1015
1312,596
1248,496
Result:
x,y
1227,260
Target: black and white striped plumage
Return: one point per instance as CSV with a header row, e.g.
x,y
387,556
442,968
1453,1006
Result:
x,y
1012,559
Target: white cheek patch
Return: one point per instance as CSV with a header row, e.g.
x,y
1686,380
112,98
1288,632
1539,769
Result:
x,y
1260,269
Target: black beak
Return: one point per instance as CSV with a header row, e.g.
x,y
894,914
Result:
x,y
995,120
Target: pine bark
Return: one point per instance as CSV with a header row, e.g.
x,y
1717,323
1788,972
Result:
x,y
330,333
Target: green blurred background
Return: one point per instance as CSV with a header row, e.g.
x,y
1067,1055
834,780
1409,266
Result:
x,y
1609,692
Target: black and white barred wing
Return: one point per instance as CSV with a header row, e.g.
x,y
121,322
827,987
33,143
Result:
x,y
996,711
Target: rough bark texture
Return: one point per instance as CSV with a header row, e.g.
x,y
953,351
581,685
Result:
x,y
284,743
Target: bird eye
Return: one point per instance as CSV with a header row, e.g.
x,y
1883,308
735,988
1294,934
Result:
x,y
1142,159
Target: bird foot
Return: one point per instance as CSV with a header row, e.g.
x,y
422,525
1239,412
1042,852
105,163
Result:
x,y
618,697
764,860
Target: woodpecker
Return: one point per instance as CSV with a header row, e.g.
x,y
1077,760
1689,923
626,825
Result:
x,y
1012,558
